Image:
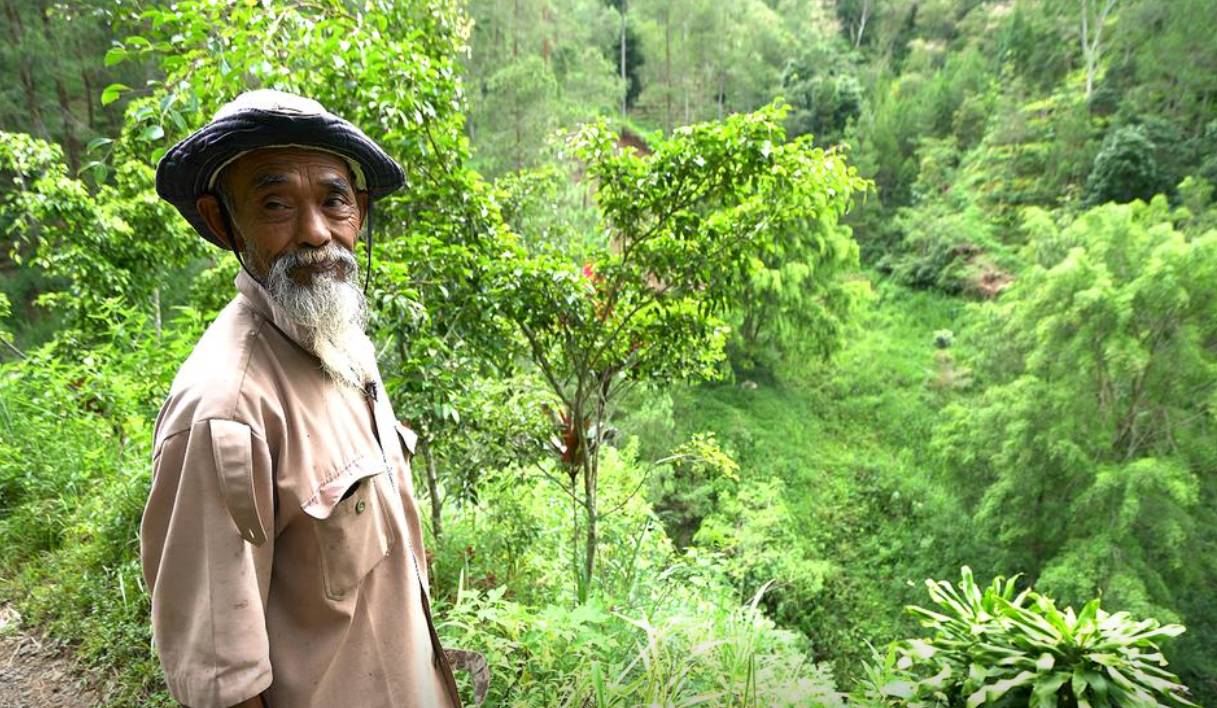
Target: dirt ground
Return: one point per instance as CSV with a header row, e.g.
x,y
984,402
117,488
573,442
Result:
x,y
34,673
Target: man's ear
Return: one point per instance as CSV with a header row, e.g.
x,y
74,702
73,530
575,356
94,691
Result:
x,y
209,208
361,199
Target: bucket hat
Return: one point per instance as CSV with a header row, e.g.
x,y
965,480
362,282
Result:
x,y
267,118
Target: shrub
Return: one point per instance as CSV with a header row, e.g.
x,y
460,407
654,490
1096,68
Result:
x,y
1124,169
991,646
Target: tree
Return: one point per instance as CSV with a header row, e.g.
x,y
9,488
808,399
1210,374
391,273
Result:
x,y
823,90
391,68
1094,16
55,53
536,66
109,247
1124,169
1081,456
709,59
682,226
629,58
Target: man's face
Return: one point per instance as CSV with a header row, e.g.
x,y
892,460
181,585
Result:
x,y
295,217
287,200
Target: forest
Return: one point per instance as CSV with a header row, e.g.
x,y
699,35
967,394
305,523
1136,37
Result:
x,y
761,352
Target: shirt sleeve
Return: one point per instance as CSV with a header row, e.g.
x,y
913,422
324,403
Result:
x,y
206,544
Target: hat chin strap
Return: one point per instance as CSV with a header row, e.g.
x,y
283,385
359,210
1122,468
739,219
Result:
x,y
232,241
367,274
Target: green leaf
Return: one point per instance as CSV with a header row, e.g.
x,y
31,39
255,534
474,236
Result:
x,y
152,132
994,691
898,689
114,55
111,93
1044,692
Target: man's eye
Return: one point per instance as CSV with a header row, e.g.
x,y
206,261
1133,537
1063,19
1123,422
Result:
x,y
276,205
336,201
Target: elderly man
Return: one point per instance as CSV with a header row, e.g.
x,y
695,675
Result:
x,y
281,543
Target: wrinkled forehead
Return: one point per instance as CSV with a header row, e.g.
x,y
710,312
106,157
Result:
x,y
271,165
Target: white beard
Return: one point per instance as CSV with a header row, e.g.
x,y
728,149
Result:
x,y
331,313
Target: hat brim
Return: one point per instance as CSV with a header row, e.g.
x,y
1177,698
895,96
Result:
x,y
186,171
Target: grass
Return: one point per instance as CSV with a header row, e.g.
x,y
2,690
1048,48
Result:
x,y
849,441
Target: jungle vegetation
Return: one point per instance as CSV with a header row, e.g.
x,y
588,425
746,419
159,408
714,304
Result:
x,y
763,352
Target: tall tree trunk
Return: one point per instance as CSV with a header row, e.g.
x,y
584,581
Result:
x,y
589,552
88,84
1094,15
625,94
545,33
686,82
70,143
667,63
515,29
861,26
721,93
24,72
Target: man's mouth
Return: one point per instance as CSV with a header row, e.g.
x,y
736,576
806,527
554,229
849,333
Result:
x,y
304,273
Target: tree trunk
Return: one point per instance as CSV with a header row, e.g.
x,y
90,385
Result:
x,y
432,487
862,24
515,29
25,74
156,310
70,143
721,94
545,34
1092,37
625,94
84,77
667,62
589,551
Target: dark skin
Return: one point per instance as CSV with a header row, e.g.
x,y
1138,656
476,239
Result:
x,y
286,199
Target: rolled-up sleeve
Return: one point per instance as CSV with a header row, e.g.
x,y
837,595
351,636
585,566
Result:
x,y
206,544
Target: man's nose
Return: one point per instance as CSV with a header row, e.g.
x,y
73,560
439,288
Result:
x,y
313,228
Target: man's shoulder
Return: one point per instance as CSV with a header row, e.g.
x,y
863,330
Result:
x,y
220,377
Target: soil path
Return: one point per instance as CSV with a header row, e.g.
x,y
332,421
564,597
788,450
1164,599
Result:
x,y
34,673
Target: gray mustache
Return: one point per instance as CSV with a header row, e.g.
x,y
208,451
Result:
x,y
310,256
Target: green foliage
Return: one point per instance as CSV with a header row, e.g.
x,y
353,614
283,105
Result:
x,y
672,654
73,481
1125,169
661,624
821,84
1066,428
534,71
991,646
689,485
682,224
754,529
86,243
835,502
1086,456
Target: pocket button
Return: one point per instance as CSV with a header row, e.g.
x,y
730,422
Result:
x,y
359,507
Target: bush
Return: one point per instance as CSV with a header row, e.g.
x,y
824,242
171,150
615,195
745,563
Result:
x,y
991,646
692,645
74,475
1124,169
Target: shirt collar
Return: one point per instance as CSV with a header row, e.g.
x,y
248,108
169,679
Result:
x,y
262,303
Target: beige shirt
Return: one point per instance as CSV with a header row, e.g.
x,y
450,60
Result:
x,y
263,576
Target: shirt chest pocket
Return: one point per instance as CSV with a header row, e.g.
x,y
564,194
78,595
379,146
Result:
x,y
353,525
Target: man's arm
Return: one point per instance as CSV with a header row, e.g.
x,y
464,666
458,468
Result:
x,y
207,541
